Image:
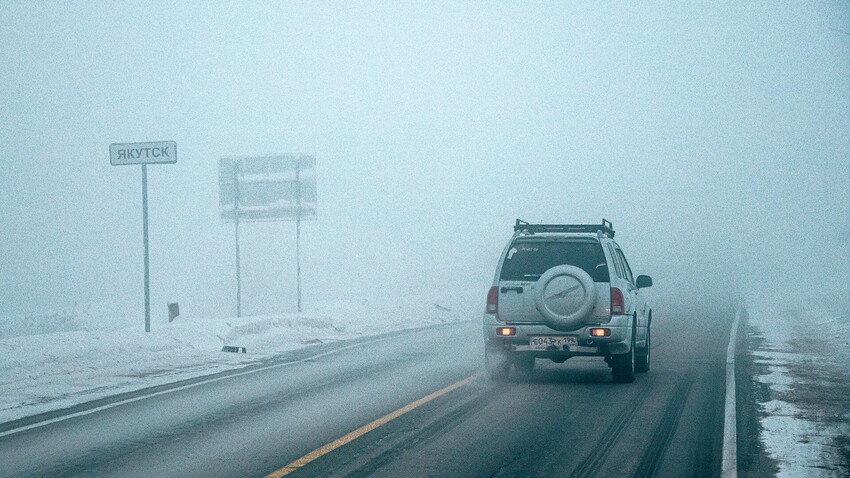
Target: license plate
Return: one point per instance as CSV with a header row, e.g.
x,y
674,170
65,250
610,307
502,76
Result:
x,y
545,343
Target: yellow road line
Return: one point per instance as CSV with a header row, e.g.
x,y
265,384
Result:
x,y
319,452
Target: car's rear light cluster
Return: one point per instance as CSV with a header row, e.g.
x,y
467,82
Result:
x,y
493,300
617,302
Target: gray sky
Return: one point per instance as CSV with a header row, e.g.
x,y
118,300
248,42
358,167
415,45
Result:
x,y
716,137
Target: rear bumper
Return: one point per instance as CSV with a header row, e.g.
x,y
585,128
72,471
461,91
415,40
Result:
x,y
619,342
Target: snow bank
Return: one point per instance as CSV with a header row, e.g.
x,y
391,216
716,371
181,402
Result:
x,y
807,355
59,360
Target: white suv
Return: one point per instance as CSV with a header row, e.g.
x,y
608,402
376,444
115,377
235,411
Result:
x,y
566,290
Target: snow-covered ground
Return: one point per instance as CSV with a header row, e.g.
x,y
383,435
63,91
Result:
x,y
59,360
806,354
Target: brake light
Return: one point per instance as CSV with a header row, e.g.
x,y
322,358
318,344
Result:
x,y
617,302
493,300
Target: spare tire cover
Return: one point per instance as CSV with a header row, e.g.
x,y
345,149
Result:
x,y
565,296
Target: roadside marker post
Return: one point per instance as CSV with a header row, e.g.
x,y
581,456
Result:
x,y
158,152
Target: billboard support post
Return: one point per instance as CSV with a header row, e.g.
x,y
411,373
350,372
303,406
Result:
x,y
298,229
236,222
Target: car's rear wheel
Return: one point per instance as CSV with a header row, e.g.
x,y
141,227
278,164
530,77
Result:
x,y
623,365
496,363
643,357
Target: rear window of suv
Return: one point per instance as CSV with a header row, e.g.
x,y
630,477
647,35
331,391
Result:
x,y
528,260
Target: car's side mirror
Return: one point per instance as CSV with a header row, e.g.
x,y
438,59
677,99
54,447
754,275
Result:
x,y
643,281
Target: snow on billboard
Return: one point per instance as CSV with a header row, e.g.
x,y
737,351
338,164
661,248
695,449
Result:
x,y
271,188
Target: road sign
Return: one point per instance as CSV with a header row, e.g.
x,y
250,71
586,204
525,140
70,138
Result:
x,y
157,152
267,188
271,188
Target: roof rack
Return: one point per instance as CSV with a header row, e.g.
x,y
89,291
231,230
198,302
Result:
x,y
606,227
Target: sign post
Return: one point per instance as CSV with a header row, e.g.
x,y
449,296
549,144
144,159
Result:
x,y
298,230
160,152
236,166
147,253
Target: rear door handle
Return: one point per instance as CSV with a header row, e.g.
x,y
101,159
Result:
x,y
518,290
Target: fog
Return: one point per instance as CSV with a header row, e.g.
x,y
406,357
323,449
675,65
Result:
x,y
716,138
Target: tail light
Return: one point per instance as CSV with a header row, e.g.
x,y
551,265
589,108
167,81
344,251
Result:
x,y
493,300
617,302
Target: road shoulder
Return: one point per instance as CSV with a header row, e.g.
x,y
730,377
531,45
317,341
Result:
x,y
282,359
795,416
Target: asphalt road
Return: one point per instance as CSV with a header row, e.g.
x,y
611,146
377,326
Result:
x,y
564,420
